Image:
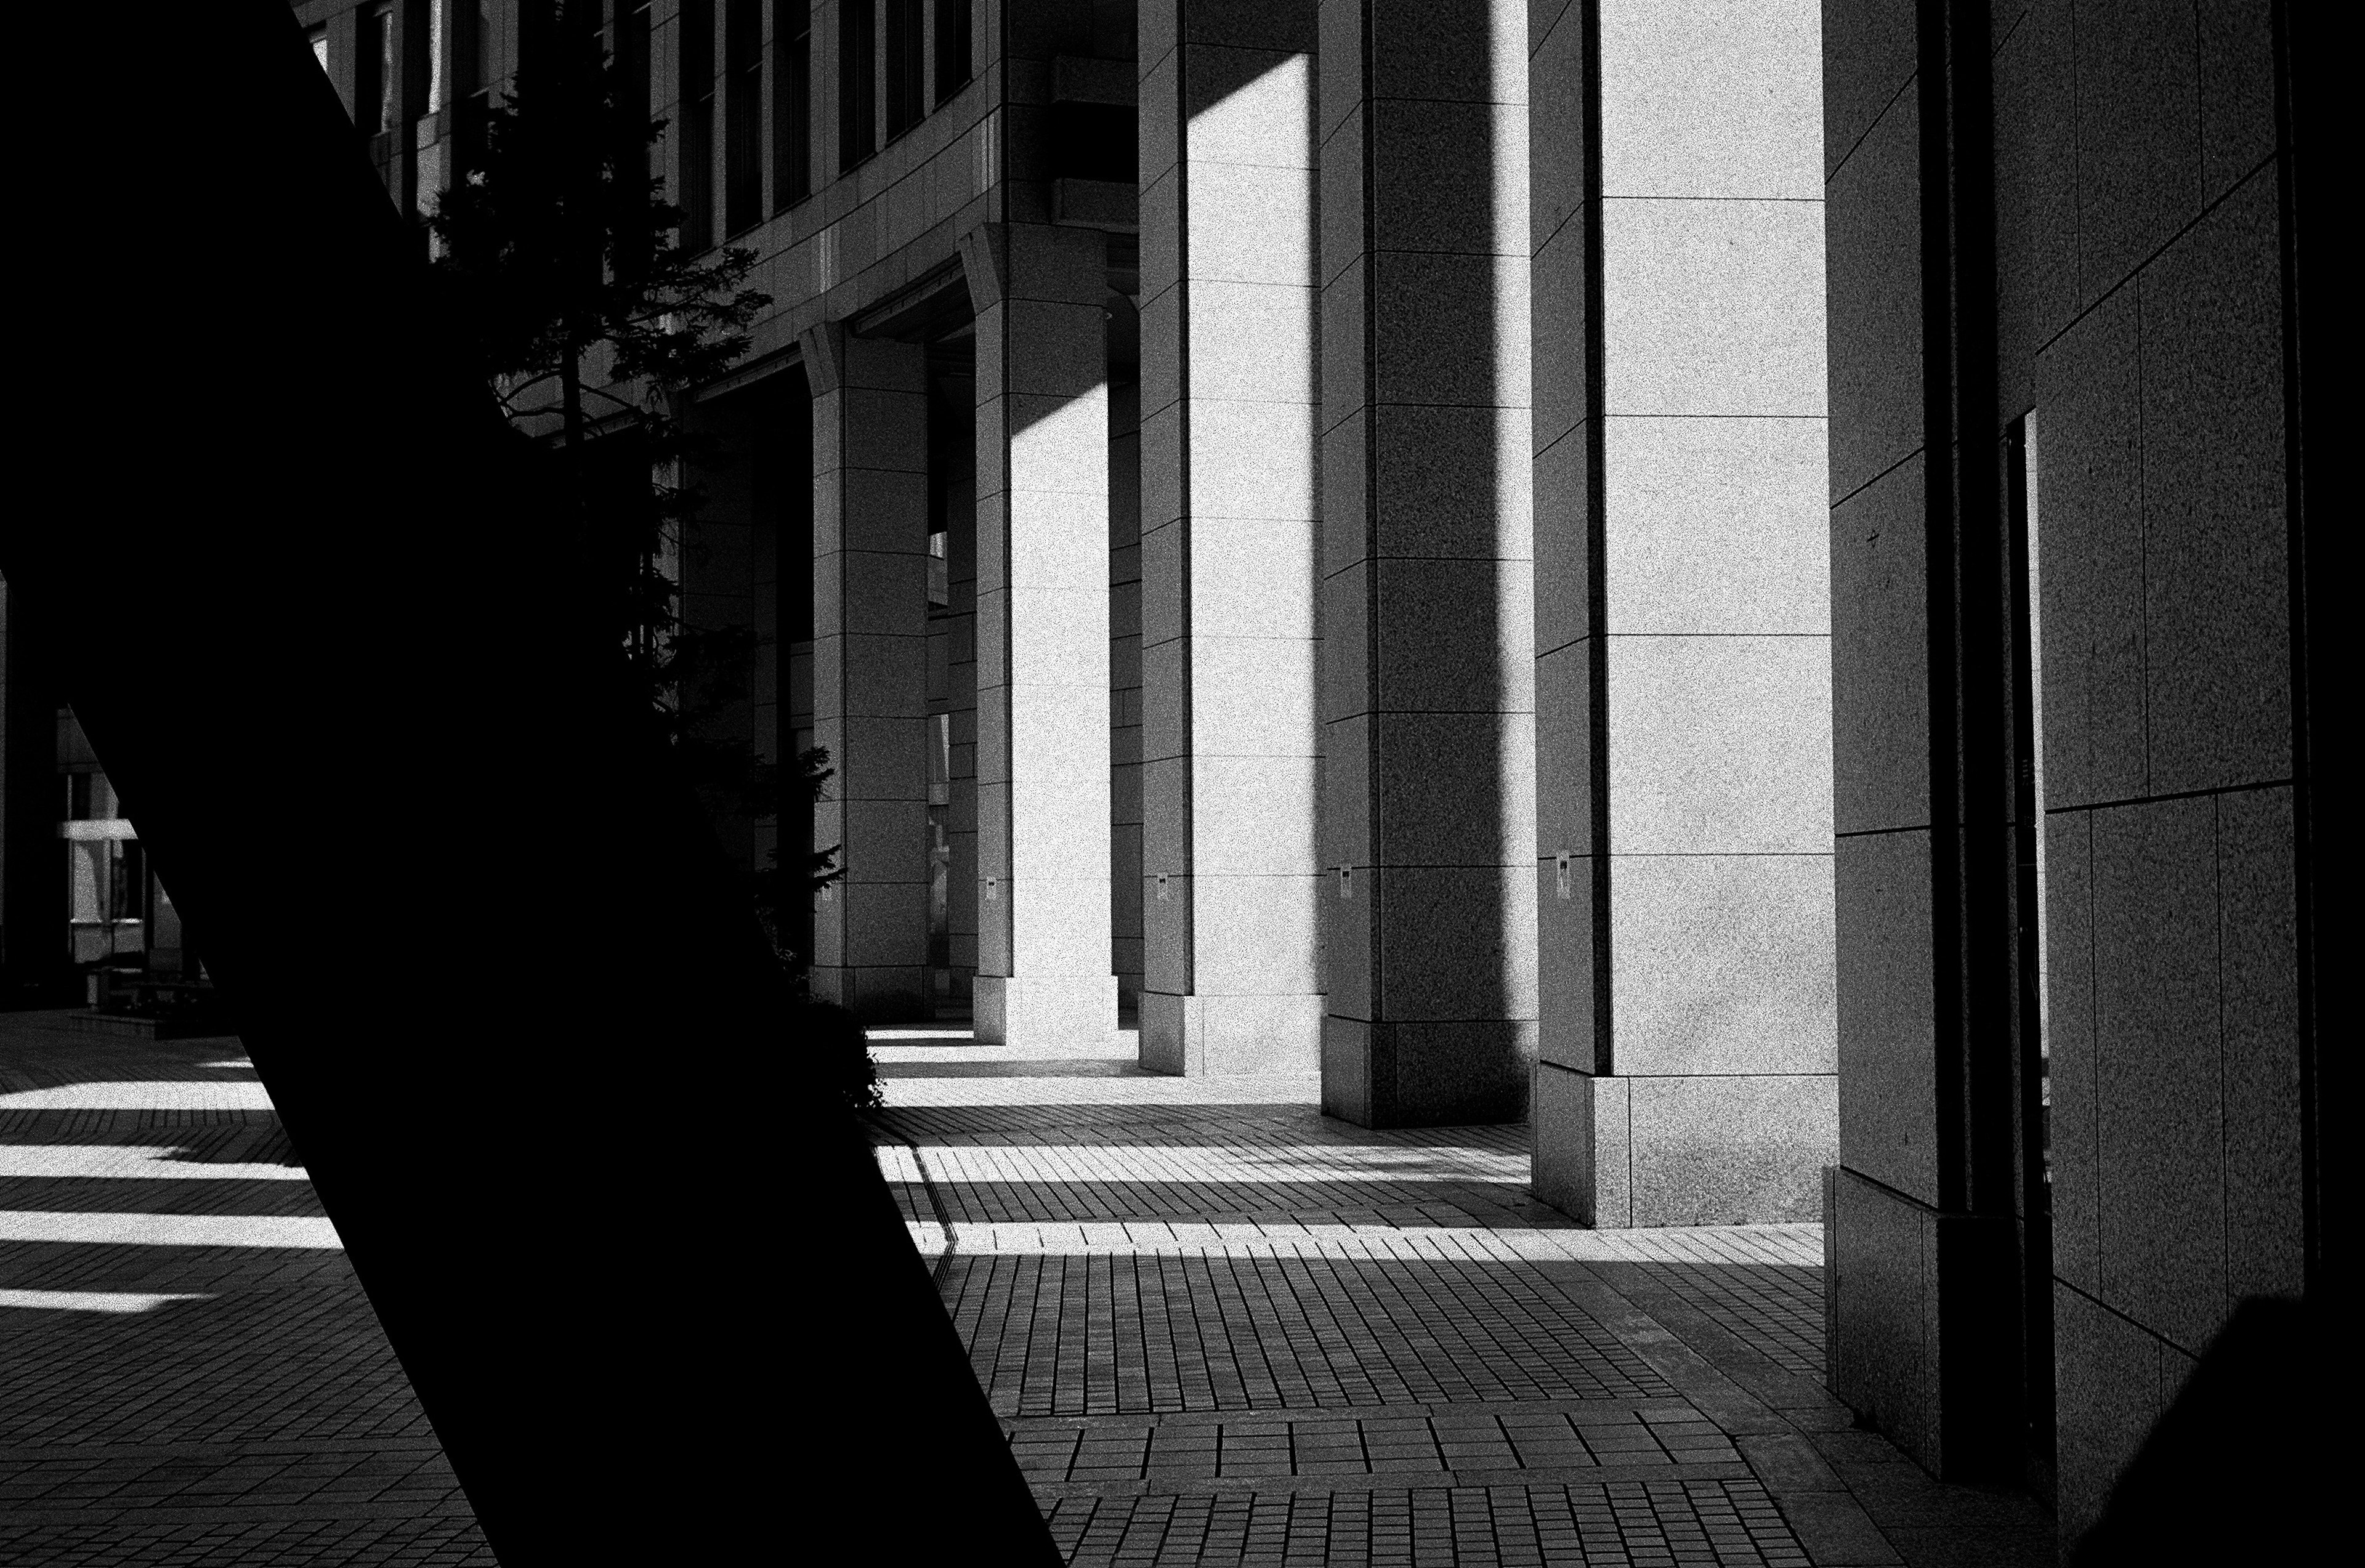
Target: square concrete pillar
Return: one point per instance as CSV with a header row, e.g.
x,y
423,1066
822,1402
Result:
x,y
1231,735
958,622
1124,650
1044,963
871,668
1682,652
1428,689
727,571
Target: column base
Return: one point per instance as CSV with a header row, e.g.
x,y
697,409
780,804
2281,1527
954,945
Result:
x,y
1922,1319
1219,1036
1617,1152
1063,1012
887,994
1576,1132
1422,1074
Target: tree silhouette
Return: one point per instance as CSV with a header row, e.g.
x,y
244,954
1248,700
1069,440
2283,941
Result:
x,y
562,270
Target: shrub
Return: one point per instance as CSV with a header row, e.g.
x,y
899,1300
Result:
x,y
842,1052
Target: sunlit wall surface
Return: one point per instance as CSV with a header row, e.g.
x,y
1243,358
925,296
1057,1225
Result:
x,y
1233,980
1684,829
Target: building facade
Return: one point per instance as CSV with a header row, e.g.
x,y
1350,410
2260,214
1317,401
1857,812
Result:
x,y
1315,547
83,915
1727,582
2076,809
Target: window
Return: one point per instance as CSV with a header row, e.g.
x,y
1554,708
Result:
x,y
377,83
940,852
89,798
128,900
634,76
696,195
906,66
857,83
430,30
743,110
1096,141
792,103
479,50
952,47
476,60
107,876
533,27
2029,803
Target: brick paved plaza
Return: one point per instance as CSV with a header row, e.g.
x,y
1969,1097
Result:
x,y
1222,1328
189,1372
1218,1328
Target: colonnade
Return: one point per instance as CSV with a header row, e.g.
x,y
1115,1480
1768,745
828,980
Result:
x,y
1478,672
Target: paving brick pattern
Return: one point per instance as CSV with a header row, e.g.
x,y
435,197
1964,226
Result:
x,y
1776,1309
1636,1523
1109,1333
152,1543
1221,1328
259,1363
1559,1435
164,1404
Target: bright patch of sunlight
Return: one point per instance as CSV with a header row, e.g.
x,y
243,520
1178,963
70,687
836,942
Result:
x,y
170,1230
94,1301
1757,1245
140,1096
108,1161
1198,1164
1260,1089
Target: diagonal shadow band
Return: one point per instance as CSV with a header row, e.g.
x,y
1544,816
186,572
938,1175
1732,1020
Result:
x,y
332,561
